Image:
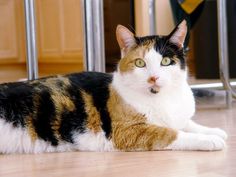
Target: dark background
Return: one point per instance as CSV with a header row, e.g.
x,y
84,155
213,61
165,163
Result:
x,y
205,41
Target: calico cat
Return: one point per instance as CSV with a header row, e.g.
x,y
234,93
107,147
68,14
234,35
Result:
x,y
145,105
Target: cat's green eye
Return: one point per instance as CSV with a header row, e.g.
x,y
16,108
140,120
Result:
x,y
140,63
166,61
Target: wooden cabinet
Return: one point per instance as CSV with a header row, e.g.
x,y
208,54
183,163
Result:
x,y
59,31
59,37
12,47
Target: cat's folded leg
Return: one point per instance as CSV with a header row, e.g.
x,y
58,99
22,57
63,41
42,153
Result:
x,y
196,128
142,137
195,141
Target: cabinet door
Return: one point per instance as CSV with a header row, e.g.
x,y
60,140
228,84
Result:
x,y
59,31
12,40
12,49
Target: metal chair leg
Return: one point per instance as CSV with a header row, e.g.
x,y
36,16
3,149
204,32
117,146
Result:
x,y
152,17
94,53
223,49
31,43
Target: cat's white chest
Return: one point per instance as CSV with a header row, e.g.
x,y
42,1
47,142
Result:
x,y
170,110
174,111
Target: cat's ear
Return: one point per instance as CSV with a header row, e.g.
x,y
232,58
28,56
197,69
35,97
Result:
x,y
125,38
177,36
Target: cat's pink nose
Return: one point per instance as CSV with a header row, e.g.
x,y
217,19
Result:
x,y
152,79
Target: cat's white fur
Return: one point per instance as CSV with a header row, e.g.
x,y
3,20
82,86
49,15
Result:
x,y
172,107
18,140
90,141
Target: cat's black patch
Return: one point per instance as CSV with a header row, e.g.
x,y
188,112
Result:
x,y
45,115
16,102
164,47
73,120
96,84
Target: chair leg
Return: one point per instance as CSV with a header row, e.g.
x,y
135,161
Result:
x,y
94,52
31,44
223,50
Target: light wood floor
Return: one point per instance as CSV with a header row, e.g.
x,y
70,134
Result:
x,y
138,164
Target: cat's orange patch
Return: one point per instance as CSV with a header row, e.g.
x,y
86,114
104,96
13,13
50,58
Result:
x,y
93,119
130,131
127,64
31,128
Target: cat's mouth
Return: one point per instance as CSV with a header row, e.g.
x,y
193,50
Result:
x,y
154,89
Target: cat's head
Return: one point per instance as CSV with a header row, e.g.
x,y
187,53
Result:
x,y
152,63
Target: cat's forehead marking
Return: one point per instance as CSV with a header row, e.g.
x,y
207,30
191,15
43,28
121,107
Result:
x,y
152,54
148,44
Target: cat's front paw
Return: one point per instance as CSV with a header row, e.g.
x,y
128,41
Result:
x,y
212,143
196,141
217,131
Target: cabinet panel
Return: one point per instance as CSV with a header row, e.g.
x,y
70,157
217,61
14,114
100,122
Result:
x,y
8,31
72,26
59,31
49,38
